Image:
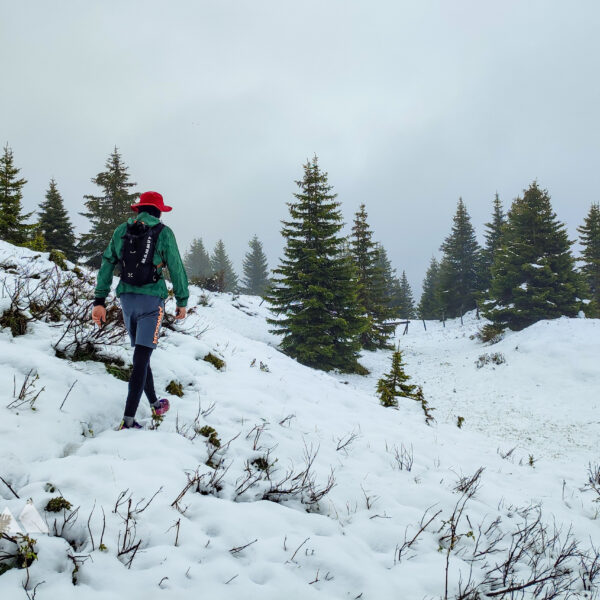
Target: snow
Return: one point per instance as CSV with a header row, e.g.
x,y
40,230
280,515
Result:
x,y
543,402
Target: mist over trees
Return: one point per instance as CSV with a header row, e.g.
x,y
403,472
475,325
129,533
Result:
x,y
221,265
55,224
256,269
372,288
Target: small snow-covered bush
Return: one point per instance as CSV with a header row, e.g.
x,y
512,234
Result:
x,y
120,372
496,358
58,258
14,320
490,333
28,393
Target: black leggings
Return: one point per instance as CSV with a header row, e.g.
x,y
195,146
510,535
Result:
x,y
141,380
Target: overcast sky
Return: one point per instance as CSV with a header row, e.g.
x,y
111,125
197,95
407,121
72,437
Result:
x,y
217,105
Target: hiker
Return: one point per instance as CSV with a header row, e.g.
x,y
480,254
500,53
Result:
x,y
142,247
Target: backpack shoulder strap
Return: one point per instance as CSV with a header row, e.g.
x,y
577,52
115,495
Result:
x,y
155,232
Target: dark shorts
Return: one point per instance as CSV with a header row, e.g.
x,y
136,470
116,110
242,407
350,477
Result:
x,y
143,316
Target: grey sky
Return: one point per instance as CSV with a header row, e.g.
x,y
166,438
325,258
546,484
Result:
x,y
408,105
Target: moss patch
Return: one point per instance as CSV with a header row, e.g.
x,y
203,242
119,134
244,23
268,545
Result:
x,y
122,373
57,504
215,361
211,434
175,388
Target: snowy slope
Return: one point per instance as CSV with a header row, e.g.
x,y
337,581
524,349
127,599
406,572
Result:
x,y
543,400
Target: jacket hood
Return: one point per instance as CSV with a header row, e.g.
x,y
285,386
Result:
x,y
145,218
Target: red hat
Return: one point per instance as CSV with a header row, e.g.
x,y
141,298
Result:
x,y
151,199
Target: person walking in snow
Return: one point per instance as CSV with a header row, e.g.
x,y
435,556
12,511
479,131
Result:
x,y
142,247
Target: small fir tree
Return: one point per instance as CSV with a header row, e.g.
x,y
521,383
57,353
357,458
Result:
x,y
315,291
492,236
372,291
256,269
459,281
404,299
13,228
533,276
394,385
429,305
108,210
222,265
197,261
55,225
589,236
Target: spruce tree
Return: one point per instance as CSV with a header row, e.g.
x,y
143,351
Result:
x,y
372,291
13,228
107,211
394,385
429,305
197,261
492,236
222,266
256,269
533,276
459,281
55,225
404,299
315,292
392,283
590,241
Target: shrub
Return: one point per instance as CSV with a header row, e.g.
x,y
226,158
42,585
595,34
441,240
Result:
x,y
491,333
15,320
175,388
58,258
261,463
496,358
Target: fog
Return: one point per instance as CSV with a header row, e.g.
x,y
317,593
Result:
x,y
217,105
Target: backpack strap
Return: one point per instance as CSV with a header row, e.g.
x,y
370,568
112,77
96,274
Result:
x,y
155,233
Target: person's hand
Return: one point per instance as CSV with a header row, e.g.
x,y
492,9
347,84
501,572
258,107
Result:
x,y
99,315
180,312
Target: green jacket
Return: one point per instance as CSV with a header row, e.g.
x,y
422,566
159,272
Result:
x,y
166,252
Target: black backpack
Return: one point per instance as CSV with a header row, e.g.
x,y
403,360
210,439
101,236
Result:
x,y
137,265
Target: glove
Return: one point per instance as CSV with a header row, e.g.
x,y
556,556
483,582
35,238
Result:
x,y
180,312
99,315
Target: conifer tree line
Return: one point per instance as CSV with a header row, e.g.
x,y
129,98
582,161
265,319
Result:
x,y
525,271
333,295
104,211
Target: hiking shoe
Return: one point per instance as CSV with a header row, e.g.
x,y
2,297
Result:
x,y
162,409
135,425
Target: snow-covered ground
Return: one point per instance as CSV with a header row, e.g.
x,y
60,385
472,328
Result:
x,y
229,542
